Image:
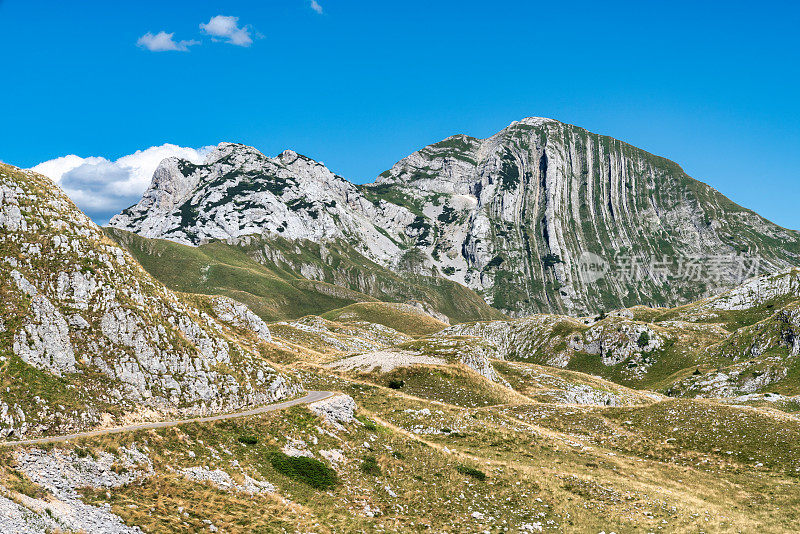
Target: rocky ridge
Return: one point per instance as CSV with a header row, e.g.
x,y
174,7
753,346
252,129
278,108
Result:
x,y
238,191
740,342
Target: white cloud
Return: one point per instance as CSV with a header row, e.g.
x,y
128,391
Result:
x,y
316,7
228,28
103,188
163,42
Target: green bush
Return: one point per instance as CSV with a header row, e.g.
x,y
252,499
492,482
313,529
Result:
x,y
550,260
248,440
396,384
644,339
471,471
497,261
370,466
307,470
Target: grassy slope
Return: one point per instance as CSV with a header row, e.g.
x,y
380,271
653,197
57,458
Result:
x,y
406,319
674,465
276,290
217,268
340,264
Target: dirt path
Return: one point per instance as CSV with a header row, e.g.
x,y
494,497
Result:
x,y
308,398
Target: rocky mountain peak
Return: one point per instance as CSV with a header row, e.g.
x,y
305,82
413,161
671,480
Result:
x,y
233,154
238,191
532,121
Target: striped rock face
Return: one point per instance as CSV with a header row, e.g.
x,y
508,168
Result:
x,y
545,216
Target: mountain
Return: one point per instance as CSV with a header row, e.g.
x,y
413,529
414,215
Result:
x,y
517,215
525,217
476,426
238,191
88,338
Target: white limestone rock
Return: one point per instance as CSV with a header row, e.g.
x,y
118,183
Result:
x,y
237,314
61,473
224,481
335,410
45,342
238,191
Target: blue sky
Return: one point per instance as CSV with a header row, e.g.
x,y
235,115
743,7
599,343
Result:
x,y
711,85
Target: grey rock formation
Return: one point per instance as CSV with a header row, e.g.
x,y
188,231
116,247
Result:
x,y
62,473
236,314
238,192
224,481
335,410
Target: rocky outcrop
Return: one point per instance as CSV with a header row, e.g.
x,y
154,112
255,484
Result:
x,y
325,336
236,314
556,340
62,474
224,481
80,316
335,410
44,342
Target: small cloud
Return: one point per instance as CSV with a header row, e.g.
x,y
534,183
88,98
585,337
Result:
x,y
163,42
316,7
228,28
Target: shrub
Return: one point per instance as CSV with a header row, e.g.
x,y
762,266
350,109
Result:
x,y
471,471
550,260
248,440
370,466
644,339
497,261
396,384
307,470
